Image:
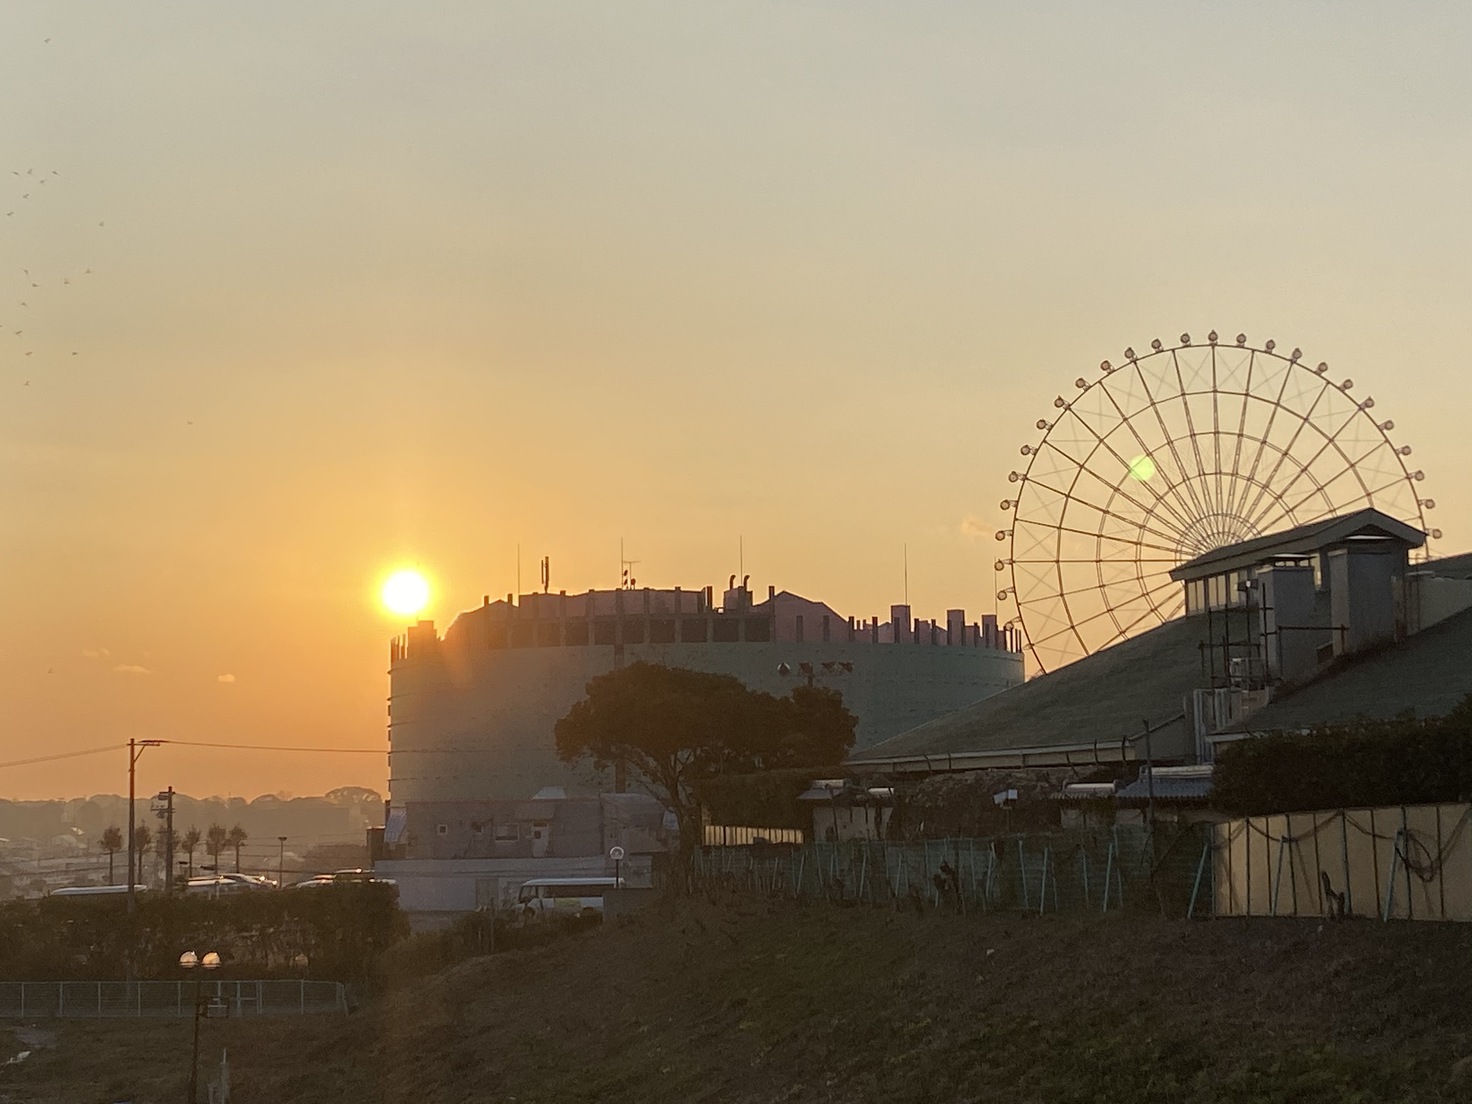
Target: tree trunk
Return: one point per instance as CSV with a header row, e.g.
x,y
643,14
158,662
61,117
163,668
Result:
x,y
110,855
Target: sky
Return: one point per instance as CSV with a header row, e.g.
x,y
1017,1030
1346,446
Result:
x,y
310,292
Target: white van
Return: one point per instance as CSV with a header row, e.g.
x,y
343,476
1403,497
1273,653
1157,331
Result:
x,y
567,896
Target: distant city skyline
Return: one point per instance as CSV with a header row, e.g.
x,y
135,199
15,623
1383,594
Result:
x,y
295,296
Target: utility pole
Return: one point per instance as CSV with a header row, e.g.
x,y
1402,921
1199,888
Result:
x,y
168,796
135,749
132,775
281,863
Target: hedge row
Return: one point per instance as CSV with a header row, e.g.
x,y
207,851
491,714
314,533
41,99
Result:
x,y
340,929
1405,761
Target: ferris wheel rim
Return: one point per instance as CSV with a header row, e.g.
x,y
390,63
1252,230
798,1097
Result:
x,y
1242,506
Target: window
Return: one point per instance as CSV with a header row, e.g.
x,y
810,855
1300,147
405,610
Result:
x,y
507,833
442,829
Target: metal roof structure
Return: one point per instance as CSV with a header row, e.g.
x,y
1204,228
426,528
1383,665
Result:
x,y
1427,674
1305,540
1094,710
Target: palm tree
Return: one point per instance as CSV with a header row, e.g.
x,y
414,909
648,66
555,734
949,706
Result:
x,y
190,843
214,842
142,837
236,838
112,843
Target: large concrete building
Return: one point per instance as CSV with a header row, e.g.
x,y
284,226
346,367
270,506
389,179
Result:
x,y
471,714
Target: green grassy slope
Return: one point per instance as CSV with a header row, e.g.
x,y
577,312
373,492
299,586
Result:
x,y
757,1002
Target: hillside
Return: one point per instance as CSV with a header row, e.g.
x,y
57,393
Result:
x,y
761,1002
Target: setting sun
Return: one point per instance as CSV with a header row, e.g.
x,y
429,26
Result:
x,y
405,593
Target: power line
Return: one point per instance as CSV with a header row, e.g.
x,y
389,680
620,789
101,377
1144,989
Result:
x,y
275,747
62,755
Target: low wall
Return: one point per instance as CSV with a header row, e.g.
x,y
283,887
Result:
x,y
1409,862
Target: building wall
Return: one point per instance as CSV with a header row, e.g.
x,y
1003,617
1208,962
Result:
x,y
557,828
474,723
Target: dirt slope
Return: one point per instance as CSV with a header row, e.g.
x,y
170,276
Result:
x,y
757,1002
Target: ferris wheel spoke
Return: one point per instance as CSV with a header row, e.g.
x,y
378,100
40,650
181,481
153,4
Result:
x,y
1275,407
1109,612
1304,419
1319,490
1132,522
1199,508
1131,542
1191,425
1330,441
1216,432
1172,560
1184,520
1081,467
1370,494
1236,465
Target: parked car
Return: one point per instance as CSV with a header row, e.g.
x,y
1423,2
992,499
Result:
x,y
217,884
341,877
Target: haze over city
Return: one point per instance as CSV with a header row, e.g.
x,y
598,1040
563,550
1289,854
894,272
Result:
x,y
310,294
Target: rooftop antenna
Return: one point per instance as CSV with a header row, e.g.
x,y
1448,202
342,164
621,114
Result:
x,y
907,574
546,574
740,555
628,582
518,570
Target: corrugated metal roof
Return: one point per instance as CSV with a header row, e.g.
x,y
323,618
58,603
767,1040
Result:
x,y
1168,788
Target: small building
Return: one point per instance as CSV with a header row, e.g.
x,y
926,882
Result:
x,y
453,857
843,810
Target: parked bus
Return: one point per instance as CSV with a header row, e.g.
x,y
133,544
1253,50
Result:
x,y
568,896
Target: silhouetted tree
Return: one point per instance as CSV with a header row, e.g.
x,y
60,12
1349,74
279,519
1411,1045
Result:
x,y
677,728
142,837
215,841
190,842
236,838
112,843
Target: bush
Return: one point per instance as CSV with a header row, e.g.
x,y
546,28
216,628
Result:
x,y
1405,761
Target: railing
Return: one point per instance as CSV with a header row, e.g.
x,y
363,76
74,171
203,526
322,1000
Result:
x,y
29,999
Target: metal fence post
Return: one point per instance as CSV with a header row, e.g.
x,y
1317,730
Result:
x,y
1390,881
1200,869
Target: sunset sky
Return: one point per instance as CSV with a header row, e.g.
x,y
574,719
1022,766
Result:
x,y
314,291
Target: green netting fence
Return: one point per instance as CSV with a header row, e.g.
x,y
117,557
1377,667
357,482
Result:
x,y
1076,871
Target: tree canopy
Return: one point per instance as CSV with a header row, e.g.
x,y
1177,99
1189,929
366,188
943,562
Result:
x,y
677,728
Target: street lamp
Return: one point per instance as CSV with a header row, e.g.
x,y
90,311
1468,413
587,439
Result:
x,y
191,961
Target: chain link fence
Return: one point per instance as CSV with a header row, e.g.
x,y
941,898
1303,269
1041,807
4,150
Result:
x,y
39,999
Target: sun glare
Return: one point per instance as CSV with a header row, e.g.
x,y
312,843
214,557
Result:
x,y
1142,468
405,593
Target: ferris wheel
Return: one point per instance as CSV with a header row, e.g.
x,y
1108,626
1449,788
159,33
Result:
x,y
1171,454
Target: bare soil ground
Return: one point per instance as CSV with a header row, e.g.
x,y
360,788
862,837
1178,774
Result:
x,y
751,1001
